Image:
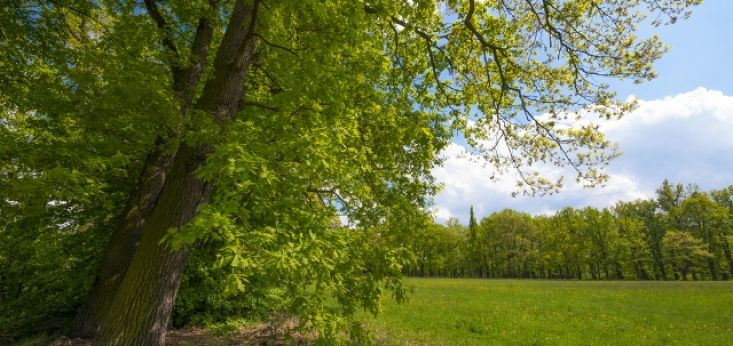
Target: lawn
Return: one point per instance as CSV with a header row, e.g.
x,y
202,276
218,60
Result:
x,y
516,312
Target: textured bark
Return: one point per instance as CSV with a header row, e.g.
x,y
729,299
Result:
x,y
140,310
123,242
141,202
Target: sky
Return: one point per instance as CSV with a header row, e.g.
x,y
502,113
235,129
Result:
x,y
682,131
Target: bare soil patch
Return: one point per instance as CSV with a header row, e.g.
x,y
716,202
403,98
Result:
x,y
276,332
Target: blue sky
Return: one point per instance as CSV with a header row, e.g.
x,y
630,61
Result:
x,y
701,54
683,130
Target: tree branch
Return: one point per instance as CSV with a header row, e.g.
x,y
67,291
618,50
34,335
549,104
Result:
x,y
162,25
275,45
185,80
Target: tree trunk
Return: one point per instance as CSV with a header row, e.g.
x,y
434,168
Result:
x,y
139,313
593,272
726,250
525,271
713,269
659,259
142,200
124,240
140,310
542,270
684,269
640,272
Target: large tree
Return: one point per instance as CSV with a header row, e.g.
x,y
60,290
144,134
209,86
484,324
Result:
x,y
707,220
255,124
686,252
655,227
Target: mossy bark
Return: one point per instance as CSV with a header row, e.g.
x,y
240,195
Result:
x,y
143,199
123,243
139,311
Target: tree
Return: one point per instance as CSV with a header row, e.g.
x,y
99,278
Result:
x,y
645,211
669,199
635,243
70,153
567,245
510,242
604,242
438,251
544,256
476,249
271,119
685,252
707,220
724,197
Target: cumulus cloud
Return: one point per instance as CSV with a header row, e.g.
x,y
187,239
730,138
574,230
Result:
x,y
687,138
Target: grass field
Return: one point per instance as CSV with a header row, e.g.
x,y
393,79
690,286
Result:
x,y
515,312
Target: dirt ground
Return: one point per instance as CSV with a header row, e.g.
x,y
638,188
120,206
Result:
x,y
262,335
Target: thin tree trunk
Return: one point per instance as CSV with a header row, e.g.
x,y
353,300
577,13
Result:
x,y
619,272
660,261
713,269
684,269
640,272
542,270
726,250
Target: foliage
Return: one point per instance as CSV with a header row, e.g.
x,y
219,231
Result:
x,y
347,106
72,136
684,251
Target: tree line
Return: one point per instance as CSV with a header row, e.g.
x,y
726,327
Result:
x,y
681,234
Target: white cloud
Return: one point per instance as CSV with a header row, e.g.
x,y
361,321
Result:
x,y
687,138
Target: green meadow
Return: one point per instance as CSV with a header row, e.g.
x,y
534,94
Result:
x,y
526,312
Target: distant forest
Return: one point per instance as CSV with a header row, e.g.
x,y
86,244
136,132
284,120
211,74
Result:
x,y
683,234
